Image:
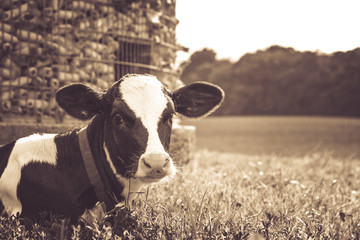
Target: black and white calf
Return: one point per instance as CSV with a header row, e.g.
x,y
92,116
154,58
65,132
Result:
x,y
123,147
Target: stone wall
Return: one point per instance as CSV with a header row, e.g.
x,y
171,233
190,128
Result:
x,y
45,45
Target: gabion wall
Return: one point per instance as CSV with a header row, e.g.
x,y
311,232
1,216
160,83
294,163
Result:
x,y
46,44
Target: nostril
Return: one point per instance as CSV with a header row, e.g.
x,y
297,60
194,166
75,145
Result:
x,y
146,164
166,161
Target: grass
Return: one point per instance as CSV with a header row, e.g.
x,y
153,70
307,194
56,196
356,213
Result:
x,y
229,195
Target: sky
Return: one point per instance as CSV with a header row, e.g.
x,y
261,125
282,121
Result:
x,y
235,27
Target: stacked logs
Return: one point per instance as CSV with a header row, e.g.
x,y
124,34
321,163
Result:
x,y
47,44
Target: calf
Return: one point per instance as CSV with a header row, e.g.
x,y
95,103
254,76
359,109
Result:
x,y
124,146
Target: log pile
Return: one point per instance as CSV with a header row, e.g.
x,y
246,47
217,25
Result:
x,y
47,44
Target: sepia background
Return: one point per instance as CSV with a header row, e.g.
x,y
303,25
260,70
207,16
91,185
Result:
x,y
276,58
280,159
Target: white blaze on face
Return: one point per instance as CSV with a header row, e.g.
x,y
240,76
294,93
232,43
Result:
x,y
144,95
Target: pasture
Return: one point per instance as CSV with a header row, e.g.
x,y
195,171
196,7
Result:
x,y
252,178
280,136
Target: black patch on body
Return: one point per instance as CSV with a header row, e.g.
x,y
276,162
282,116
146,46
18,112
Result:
x,y
5,151
63,189
44,188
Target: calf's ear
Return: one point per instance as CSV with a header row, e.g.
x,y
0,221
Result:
x,y
198,99
80,101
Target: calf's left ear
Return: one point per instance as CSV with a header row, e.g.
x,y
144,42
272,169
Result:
x,y
80,101
198,99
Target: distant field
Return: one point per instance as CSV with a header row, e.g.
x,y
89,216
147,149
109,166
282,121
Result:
x,y
281,136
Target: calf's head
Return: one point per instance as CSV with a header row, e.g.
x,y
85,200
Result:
x,y
137,116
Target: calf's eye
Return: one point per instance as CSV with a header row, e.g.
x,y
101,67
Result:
x,y
118,120
167,119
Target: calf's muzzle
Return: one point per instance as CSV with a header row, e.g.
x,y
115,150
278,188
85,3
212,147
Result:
x,y
155,165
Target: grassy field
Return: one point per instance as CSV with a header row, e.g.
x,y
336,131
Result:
x,y
230,193
282,136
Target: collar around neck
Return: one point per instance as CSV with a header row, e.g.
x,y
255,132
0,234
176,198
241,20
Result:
x,y
92,171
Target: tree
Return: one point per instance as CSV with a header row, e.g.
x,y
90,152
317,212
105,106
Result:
x,y
282,81
199,58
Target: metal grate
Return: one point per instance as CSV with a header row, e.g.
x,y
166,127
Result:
x,y
49,43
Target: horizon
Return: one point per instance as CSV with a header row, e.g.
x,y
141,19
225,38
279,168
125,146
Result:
x,y
318,52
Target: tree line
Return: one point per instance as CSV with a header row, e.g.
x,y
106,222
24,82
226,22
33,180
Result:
x,y
282,81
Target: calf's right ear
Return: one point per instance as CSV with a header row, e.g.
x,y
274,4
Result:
x,y
80,101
